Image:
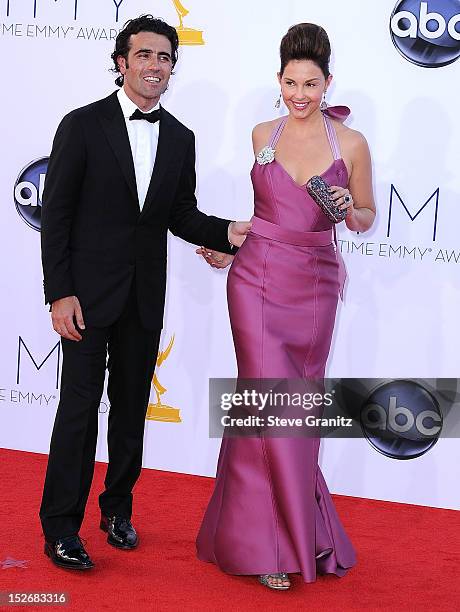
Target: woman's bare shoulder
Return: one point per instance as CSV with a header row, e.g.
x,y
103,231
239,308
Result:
x,y
261,134
349,134
265,126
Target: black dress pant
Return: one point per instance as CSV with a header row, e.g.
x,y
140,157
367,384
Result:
x,y
132,353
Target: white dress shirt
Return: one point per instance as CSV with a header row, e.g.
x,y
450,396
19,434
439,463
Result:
x,y
143,138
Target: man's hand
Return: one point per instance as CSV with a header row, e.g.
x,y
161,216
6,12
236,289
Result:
x,y
237,231
63,312
215,259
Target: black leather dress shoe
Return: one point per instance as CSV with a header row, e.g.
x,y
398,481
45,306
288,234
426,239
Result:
x,y
121,533
68,553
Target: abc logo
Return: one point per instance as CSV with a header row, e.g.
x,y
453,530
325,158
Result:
x,y
427,33
28,191
401,419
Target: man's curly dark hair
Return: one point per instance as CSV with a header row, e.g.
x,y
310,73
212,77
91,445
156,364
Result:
x,y
144,23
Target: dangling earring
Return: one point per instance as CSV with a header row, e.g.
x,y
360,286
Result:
x,y
323,106
278,102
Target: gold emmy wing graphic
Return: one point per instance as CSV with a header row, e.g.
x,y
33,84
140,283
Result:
x,y
159,411
187,36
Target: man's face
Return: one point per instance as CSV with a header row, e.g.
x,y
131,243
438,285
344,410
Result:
x,y
147,71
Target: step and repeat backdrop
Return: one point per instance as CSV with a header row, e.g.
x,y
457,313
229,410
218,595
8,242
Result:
x,y
395,64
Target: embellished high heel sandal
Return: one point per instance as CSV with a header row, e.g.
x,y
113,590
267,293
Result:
x,y
266,580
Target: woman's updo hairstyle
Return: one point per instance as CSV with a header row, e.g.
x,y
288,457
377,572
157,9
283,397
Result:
x,y
306,41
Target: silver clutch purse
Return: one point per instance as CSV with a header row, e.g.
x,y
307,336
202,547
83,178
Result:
x,y
319,191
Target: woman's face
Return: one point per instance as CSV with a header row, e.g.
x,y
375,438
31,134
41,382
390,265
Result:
x,y
302,87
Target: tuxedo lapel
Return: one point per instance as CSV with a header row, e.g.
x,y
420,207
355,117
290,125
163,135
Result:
x,y
165,150
114,126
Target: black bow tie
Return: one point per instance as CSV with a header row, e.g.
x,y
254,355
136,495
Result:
x,y
151,117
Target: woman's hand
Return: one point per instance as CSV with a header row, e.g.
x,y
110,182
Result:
x,y
215,259
343,199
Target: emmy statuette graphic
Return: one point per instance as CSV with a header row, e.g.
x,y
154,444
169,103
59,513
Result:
x,y
159,411
187,36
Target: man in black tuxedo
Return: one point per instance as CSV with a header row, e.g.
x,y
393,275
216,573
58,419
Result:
x,y
121,173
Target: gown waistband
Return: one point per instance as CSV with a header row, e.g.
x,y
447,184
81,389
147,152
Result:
x,y
266,229
290,236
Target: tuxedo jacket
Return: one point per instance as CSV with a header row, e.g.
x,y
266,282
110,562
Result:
x,y
94,237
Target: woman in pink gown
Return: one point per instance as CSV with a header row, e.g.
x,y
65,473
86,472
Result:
x,y
271,513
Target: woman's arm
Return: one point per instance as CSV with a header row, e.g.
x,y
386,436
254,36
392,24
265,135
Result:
x,y
361,213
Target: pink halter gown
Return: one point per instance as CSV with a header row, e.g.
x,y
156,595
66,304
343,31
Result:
x,y
271,510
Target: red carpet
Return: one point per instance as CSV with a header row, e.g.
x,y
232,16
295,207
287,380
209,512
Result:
x,y
408,556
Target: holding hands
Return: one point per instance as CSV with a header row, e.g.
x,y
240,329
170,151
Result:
x,y
237,232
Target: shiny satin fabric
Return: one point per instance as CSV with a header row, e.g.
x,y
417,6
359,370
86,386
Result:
x,y
271,510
